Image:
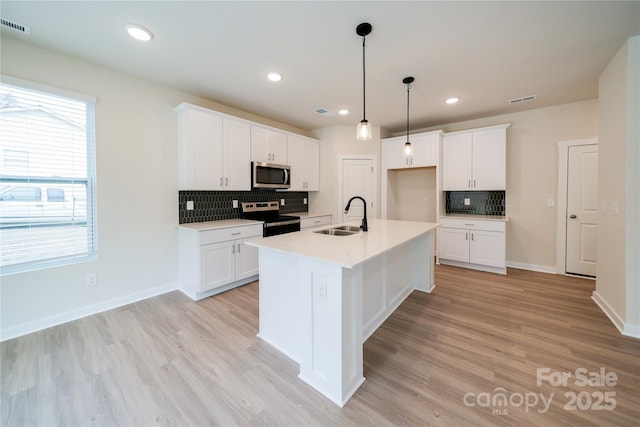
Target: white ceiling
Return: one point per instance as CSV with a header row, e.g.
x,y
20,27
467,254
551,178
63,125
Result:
x,y
484,52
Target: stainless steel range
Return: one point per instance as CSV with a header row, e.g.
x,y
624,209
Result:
x,y
269,212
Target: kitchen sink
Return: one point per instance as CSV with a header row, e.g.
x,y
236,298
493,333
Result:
x,y
348,228
335,232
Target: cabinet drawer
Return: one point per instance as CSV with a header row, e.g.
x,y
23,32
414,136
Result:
x,y
316,221
230,233
473,224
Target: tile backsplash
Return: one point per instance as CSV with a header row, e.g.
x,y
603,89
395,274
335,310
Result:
x,y
480,202
218,205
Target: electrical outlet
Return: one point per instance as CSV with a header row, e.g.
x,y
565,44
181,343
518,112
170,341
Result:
x,y
235,204
304,201
189,205
467,201
91,279
322,291
281,202
551,203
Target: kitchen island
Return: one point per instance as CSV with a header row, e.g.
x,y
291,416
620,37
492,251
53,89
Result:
x,y
321,296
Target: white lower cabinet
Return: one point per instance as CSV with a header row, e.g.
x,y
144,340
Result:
x,y
212,261
477,244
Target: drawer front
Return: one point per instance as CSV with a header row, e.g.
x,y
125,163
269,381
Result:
x,y
473,224
316,221
230,233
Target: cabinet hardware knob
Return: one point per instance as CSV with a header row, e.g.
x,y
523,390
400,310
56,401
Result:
x,y
573,216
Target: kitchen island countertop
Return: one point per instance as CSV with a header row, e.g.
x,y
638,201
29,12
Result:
x,y
347,251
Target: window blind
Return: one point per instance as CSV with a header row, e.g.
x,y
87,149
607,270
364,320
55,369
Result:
x,y
47,179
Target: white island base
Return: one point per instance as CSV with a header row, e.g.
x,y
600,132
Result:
x,y
322,296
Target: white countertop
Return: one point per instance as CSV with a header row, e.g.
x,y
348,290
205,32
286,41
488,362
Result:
x,y
213,225
347,251
304,215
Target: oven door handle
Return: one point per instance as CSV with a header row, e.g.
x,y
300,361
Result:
x,y
275,224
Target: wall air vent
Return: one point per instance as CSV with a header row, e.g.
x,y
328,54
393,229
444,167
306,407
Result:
x,y
324,112
6,23
523,99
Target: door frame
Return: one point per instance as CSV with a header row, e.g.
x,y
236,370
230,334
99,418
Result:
x,y
561,218
373,213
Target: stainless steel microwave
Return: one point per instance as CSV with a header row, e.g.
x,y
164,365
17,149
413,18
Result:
x,y
269,175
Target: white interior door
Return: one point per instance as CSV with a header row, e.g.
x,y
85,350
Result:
x,y
357,180
582,210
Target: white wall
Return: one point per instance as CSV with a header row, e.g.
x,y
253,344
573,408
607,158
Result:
x,y
137,194
618,276
334,142
411,194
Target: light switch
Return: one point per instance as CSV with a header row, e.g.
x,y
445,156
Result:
x,y
189,205
467,201
551,203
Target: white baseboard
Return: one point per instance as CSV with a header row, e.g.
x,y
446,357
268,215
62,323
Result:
x,y
532,267
58,319
625,329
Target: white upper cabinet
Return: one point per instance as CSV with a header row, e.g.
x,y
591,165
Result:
x,y
475,159
268,146
304,159
214,150
425,151
236,152
199,149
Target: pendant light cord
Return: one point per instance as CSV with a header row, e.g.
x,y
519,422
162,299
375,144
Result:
x,y
408,85
364,92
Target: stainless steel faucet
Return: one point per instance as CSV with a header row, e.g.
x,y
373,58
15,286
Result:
x,y
364,218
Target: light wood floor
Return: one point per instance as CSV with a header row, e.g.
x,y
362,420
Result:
x,y
171,361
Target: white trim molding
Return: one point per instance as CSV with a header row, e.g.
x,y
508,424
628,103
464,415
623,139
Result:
x,y
625,329
532,267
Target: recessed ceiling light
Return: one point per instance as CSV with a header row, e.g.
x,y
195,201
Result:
x,y
274,77
139,32
452,100
343,112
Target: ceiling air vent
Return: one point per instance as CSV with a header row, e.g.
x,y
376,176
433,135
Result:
x,y
15,26
324,112
523,99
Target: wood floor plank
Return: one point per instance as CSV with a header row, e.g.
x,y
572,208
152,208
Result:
x,y
170,361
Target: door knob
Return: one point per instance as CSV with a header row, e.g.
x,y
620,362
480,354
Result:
x,y
573,216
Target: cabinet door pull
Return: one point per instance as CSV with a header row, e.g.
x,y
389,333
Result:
x,y
471,240
235,234
469,184
474,183
226,181
466,236
233,248
238,247
469,225
221,182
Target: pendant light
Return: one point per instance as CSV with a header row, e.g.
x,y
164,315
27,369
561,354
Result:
x,y
364,131
408,149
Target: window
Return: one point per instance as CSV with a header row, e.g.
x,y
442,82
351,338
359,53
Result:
x,y
47,177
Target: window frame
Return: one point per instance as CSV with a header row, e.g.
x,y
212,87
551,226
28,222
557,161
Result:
x,y
90,181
